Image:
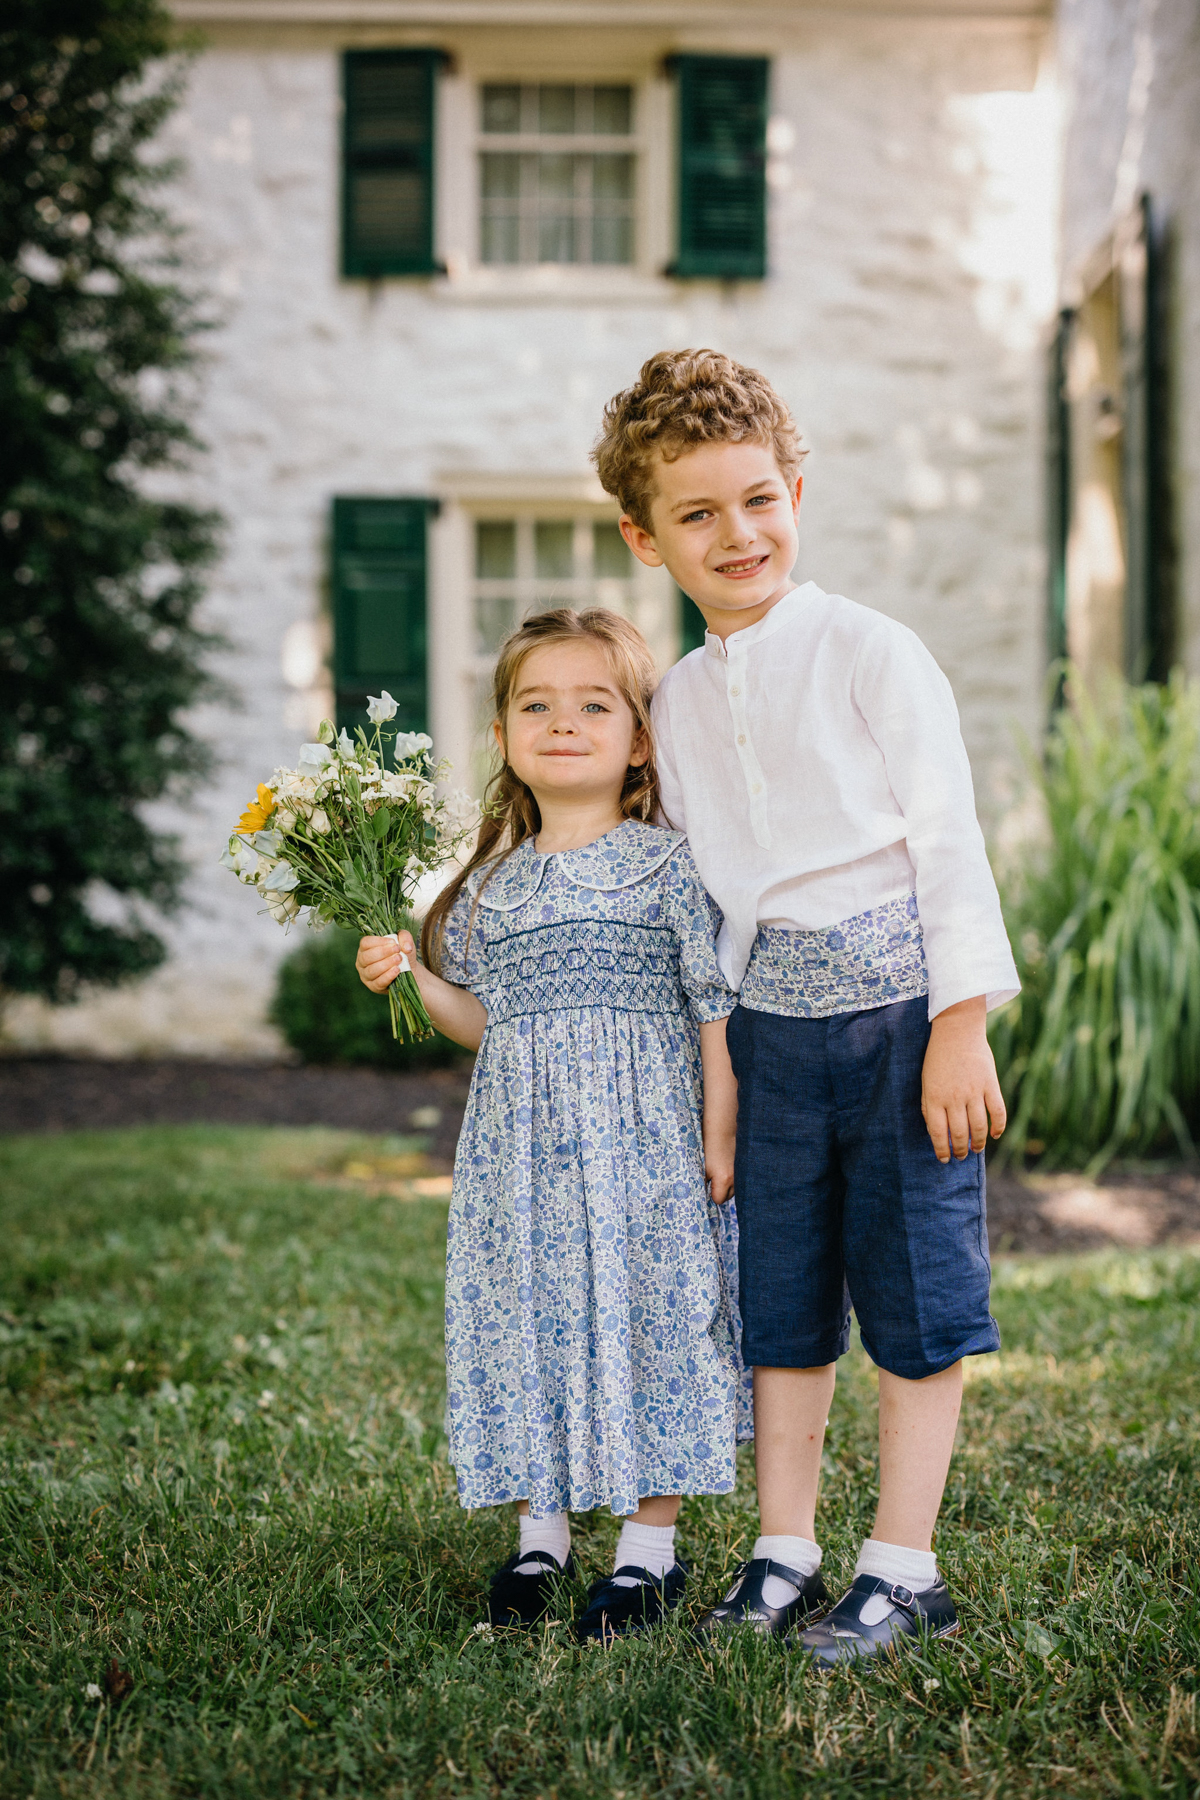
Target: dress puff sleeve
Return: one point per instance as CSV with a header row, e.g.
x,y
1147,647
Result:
x,y
696,919
462,944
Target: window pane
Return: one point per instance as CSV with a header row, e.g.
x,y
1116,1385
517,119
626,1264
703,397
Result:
x,y
552,547
612,240
501,177
494,619
556,176
612,177
496,549
613,110
612,555
556,108
556,238
502,108
500,240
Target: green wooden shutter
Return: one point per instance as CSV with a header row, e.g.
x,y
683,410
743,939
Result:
x,y
1145,470
722,112
1058,496
691,624
387,162
379,608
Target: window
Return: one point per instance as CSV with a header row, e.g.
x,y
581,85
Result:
x,y
379,608
557,174
1111,538
387,162
526,565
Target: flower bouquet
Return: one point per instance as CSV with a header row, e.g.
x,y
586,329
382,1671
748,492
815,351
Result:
x,y
349,838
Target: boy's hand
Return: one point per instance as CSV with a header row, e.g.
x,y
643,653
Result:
x,y
718,1162
959,1088
378,960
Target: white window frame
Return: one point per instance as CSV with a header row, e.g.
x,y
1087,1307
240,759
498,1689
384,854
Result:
x,y
460,141
457,668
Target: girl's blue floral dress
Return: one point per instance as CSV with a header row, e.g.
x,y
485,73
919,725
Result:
x,y
592,1327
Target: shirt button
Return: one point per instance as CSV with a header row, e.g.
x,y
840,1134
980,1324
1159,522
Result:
x,y
742,738
757,788
735,692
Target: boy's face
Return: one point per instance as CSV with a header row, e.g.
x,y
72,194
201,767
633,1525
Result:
x,y
724,523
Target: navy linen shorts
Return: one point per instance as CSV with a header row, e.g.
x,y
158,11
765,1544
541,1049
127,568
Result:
x,y
842,1201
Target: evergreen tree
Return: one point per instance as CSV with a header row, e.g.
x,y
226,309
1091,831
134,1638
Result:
x,y
100,651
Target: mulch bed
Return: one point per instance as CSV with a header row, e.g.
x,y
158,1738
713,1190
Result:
x,y
1132,1208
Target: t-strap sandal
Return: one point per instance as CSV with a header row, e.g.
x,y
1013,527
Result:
x,y
842,1637
744,1606
521,1597
615,1611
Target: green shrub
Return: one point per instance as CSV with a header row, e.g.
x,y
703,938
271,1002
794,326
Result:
x,y
325,1012
1100,1055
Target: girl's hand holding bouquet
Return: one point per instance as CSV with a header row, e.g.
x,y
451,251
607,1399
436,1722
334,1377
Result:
x,y
350,839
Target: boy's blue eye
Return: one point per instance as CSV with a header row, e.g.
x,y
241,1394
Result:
x,y
701,514
761,500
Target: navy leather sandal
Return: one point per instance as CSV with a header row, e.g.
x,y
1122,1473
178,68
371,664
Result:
x,y
841,1636
614,1611
744,1606
522,1599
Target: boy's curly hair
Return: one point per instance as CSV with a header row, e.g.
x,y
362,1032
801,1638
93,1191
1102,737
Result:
x,y
682,398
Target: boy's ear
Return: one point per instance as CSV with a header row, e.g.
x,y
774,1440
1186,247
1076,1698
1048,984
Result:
x,y
640,542
797,494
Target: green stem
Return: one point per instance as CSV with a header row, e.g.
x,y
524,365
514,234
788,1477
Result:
x,y
411,1023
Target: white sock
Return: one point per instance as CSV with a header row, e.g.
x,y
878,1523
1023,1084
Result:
x,y
551,1534
649,1547
913,1569
797,1553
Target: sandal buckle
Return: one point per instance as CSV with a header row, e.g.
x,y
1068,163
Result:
x,y
902,1596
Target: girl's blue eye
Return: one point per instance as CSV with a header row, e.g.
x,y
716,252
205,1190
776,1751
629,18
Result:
x,y
536,706
595,706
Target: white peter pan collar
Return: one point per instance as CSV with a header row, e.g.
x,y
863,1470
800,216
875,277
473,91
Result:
x,y
623,856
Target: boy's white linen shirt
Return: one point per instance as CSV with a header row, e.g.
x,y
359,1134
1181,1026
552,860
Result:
x,y
816,763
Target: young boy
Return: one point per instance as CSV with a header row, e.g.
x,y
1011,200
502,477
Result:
x,y
811,751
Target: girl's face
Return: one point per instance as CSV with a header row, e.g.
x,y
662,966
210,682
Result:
x,y
569,732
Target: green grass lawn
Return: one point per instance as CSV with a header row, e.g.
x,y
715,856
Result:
x,y
223,1470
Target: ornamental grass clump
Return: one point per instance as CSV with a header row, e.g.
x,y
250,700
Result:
x,y
1100,1054
350,839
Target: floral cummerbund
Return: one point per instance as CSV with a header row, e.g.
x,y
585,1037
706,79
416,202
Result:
x,y
581,963
873,959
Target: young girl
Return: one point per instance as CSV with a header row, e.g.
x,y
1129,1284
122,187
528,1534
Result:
x,y
591,1313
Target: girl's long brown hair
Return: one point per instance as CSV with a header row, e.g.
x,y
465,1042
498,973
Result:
x,y
511,813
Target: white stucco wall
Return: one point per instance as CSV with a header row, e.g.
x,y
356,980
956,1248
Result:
x,y
912,273
1130,74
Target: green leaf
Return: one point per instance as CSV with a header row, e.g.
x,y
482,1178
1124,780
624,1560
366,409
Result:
x,y
381,824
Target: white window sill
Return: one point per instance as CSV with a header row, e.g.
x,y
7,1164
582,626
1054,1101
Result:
x,y
558,284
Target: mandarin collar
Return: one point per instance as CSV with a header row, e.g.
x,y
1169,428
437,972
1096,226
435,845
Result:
x,y
624,855
780,614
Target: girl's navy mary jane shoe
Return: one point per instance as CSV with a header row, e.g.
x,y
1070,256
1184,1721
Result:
x,y
614,1611
744,1605
842,1637
517,1597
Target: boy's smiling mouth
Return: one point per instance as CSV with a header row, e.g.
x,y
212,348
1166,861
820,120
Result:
x,y
748,565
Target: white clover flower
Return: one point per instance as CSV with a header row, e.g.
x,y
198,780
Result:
x,y
408,743
380,710
92,1692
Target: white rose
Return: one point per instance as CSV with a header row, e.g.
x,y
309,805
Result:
x,y
319,821
285,821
